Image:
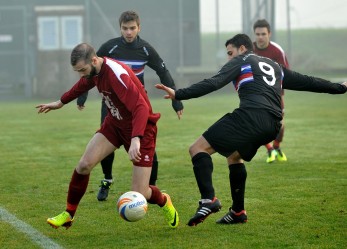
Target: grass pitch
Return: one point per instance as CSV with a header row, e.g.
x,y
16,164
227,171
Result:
x,y
298,204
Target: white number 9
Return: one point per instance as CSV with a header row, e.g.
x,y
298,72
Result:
x,y
268,70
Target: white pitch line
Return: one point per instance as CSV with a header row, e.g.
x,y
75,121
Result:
x,y
25,228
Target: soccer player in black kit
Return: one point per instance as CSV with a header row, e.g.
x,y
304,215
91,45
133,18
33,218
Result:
x,y
238,135
135,53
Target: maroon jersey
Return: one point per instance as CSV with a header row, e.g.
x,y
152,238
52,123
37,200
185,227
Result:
x,y
274,52
123,93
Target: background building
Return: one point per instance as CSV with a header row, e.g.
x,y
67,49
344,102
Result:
x,y
36,38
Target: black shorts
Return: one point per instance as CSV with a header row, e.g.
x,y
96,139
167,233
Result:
x,y
243,131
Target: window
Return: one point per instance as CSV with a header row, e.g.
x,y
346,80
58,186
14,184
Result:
x,y
71,31
48,33
59,32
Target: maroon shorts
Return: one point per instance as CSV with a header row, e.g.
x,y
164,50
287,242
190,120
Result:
x,y
119,137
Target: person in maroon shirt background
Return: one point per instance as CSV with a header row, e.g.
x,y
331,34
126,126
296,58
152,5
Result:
x,y
130,122
263,46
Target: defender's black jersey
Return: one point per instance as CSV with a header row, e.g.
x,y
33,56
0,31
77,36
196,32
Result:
x,y
137,55
258,81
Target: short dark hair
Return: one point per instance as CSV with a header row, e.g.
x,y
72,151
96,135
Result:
x,y
128,16
262,23
82,51
239,40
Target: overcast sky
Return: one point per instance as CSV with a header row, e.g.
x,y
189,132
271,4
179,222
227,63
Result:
x,y
303,14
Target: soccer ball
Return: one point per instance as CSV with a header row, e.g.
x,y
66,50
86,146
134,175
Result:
x,y
132,206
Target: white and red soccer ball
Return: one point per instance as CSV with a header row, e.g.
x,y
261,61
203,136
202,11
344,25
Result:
x,y
132,206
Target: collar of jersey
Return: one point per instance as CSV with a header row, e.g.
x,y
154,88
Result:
x,y
131,44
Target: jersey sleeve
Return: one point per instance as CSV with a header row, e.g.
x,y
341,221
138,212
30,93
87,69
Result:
x,y
227,73
156,63
82,99
295,81
81,86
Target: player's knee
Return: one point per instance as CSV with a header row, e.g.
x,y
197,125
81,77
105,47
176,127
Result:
x,y
235,158
200,145
85,166
196,148
193,150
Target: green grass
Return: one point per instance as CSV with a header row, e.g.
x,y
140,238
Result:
x,y
298,204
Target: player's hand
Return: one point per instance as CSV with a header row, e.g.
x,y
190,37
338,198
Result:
x,y
44,108
179,114
80,107
344,83
170,92
134,150
177,105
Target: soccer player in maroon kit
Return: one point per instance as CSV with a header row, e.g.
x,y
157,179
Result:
x,y
130,122
264,47
136,53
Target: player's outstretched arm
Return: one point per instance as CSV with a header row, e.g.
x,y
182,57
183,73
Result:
x,y
299,82
44,108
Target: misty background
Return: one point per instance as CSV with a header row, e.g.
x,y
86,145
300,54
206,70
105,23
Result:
x,y
36,37
304,14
